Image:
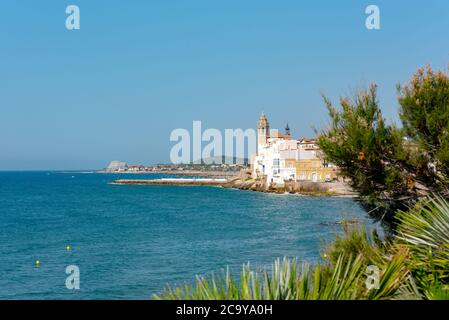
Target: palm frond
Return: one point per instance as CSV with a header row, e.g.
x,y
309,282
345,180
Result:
x,y
424,229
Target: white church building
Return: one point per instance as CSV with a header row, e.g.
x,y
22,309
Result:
x,y
281,158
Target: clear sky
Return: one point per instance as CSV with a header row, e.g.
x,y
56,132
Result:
x,y
138,69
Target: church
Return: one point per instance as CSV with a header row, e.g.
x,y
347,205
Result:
x,y
281,158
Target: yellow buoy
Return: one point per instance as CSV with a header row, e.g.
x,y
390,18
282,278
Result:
x,y
38,263
67,248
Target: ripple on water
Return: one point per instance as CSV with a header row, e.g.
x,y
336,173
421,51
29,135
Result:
x,y
130,241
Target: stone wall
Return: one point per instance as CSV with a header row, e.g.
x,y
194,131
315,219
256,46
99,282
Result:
x,y
245,181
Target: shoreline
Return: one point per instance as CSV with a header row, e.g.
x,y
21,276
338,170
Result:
x,y
182,173
324,189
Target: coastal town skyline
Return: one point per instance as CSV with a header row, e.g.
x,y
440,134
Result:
x,y
116,88
232,157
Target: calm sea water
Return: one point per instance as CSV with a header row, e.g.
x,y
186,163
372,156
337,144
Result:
x,y
131,241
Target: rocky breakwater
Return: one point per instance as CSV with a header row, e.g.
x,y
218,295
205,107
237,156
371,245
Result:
x,y
173,182
244,181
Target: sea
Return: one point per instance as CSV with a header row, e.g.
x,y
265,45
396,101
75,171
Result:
x,y
132,241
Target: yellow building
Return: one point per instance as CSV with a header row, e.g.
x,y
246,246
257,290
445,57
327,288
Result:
x,y
314,170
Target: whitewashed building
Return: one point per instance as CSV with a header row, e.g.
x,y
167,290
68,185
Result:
x,y
281,158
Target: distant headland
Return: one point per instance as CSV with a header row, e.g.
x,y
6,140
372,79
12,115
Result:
x,y
217,170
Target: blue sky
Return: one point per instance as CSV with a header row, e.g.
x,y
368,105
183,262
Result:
x,y
136,70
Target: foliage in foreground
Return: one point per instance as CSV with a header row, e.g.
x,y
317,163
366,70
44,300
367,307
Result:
x,y
391,167
414,264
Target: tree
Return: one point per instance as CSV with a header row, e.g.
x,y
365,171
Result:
x,y
392,167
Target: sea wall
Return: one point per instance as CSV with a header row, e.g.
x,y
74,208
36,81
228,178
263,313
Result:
x,y
245,182
172,182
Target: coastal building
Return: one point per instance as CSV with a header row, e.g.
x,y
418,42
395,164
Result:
x,y
136,168
117,166
281,158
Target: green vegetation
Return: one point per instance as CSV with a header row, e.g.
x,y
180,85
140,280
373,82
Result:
x,y
391,167
413,264
401,175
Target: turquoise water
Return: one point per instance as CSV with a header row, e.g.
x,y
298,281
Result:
x,y
131,241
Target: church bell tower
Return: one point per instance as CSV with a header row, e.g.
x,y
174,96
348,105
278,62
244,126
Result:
x,y
287,131
263,131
